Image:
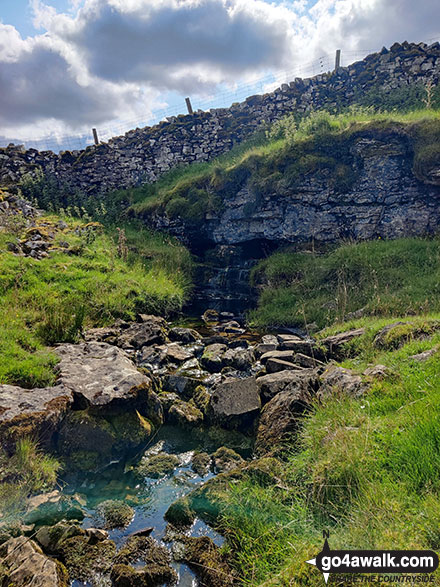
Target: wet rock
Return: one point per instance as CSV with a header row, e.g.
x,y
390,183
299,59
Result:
x,y
113,513
226,459
212,358
37,413
200,463
180,514
201,399
205,558
185,335
280,419
157,466
50,537
180,384
235,403
304,381
156,569
185,414
337,380
49,508
23,563
210,316
175,353
86,559
335,344
167,399
87,440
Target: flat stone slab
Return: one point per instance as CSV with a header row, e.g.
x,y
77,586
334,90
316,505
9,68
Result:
x,y
98,374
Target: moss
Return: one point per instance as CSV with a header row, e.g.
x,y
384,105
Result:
x,y
225,459
113,514
83,560
157,466
201,398
180,513
396,335
210,565
200,463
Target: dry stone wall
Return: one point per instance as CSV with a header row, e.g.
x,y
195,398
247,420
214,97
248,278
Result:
x,y
142,155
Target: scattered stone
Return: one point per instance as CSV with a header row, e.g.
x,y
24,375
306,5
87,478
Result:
x,y
235,403
335,344
167,399
424,356
239,358
263,348
176,353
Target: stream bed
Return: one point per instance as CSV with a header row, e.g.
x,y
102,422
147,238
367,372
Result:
x,y
150,498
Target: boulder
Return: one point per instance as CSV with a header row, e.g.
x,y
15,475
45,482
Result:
x,y
212,358
304,381
32,412
180,384
307,362
50,508
23,564
263,348
175,353
239,358
280,419
200,463
185,414
101,377
211,566
152,330
301,346
288,356
335,344
210,316
225,459
337,380
235,403
185,335
167,399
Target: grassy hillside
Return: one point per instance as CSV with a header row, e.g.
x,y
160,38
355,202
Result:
x,y
382,278
281,157
84,282
366,469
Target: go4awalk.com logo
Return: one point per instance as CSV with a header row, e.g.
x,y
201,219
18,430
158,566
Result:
x,y
373,561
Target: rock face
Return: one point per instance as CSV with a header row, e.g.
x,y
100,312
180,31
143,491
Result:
x,y
235,403
25,565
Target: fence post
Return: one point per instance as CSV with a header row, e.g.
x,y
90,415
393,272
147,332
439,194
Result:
x,y
188,105
95,136
338,59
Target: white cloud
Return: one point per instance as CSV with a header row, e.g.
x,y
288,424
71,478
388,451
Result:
x,y
109,60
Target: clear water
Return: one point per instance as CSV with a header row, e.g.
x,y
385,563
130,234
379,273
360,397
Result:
x,y
151,498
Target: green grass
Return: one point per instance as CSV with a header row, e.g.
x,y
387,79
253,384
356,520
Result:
x,y
384,278
367,469
28,471
50,300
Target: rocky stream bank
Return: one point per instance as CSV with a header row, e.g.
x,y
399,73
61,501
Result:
x,y
152,422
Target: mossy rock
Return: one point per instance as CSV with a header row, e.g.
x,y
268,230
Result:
x,y
200,463
207,561
157,466
201,398
83,560
180,513
226,459
396,335
113,513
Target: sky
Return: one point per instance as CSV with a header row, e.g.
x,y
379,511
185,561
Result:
x,y
69,65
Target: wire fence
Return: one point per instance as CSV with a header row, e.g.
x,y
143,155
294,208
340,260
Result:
x,y
221,99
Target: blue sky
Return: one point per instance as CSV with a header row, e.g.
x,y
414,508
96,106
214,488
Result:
x,y
115,64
